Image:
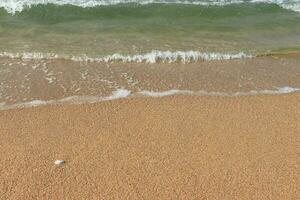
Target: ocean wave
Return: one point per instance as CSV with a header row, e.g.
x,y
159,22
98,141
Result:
x,y
151,58
124,93
13,6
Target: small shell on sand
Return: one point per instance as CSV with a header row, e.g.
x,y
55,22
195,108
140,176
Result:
x,y
59,162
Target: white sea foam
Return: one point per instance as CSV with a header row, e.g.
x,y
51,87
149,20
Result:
x,y
123,93
282,90
166,56
165,93
152,57
118,94
29,55
13,6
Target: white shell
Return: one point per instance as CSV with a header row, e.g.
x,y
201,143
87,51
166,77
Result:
x,y
59,162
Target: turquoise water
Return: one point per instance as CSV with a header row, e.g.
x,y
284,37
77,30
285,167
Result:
x,y
76,29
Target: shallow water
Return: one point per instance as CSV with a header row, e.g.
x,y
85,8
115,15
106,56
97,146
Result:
x,y
100,28
29,82
57,51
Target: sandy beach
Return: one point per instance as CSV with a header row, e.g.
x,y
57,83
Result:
x,y
176,147
150,99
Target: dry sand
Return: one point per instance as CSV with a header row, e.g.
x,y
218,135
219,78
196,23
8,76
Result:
x,y
178,147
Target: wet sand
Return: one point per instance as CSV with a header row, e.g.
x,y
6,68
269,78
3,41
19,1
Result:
x,y
176,147
28,80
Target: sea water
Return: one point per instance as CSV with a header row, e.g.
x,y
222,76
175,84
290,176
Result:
x,y
74,50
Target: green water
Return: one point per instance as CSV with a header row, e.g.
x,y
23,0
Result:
x,y
135,29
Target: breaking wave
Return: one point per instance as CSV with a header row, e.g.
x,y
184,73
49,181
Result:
x,y
13,6
151,58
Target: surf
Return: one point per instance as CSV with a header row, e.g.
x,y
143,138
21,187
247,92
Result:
x,y
13,6
152,57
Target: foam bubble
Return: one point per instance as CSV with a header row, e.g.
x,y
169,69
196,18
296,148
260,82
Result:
x,y
164,93
123,93
152,57
281,90
118,94
29,55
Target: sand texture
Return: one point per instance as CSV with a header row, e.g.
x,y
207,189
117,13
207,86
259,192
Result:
x,y
178,147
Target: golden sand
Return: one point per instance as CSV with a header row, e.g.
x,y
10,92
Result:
x,y
178,147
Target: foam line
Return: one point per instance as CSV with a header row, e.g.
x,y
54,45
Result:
x,y
152,57
123,93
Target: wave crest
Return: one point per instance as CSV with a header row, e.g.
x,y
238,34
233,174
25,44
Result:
x,y
13,6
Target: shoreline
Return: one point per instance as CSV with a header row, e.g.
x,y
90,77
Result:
x,y
42,81
126,94
170,56
169,147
